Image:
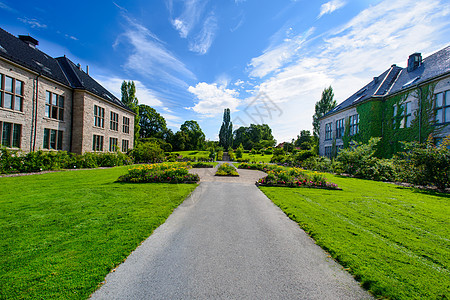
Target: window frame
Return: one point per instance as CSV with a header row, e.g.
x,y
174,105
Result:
x,y
54,110
126,124
13,93
47,139
113,144
99,116
444,107
354,124
340,128
328,131
97,143
125,145
14,135
114,121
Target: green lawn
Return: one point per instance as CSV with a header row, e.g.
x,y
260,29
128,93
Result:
x,y
257,157
193,154
61,233
395,240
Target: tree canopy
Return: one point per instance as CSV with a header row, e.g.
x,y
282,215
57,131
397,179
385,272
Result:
x,y
151,122
305,141
128,89
189,137
226,130
323,106
254,136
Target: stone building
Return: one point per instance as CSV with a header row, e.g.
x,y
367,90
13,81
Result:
x,y
401,104
49,103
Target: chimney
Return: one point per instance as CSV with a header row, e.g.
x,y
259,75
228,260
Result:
x,y
79,66
375,80
29,40
87,69
414,61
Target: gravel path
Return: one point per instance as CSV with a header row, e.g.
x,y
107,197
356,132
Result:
x,y
229,241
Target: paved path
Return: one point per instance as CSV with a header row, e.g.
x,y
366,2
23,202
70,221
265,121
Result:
x,y
229,241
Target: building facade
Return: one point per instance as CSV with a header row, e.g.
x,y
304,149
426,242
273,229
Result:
x,y
401,104
51,104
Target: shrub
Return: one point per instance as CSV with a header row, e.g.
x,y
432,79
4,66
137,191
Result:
x,y
226,169
268,151
318,163
220,155
147,153
302,155
160,173
425,164
239,152
278,152
201,165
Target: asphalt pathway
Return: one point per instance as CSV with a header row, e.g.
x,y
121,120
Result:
x,y
229,241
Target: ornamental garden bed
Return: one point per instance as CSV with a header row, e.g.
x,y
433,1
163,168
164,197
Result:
x,y
160,173
226,169
278,176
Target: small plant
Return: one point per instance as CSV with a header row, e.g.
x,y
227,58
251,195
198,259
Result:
x,y
226,169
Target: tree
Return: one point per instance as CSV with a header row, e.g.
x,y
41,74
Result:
x,y
130,100
195,138
226,130
323,106
151,122
304,140
253,136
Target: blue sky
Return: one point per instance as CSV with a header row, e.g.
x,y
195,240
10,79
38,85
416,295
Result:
x,y
266,60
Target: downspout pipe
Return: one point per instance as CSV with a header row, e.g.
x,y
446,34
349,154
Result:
x,y
36,102
420,113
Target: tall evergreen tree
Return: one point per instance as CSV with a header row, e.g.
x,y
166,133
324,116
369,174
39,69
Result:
x,y
130,100
226,130
323,106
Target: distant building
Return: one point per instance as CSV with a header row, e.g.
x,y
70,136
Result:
x,y
49,103
401,104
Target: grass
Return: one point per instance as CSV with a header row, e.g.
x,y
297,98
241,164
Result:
x,y
257,157
394,240
61,233
193,154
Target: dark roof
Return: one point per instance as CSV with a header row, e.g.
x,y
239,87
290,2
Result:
x,y
30,57
379,86
434,65
396,79
80,80
60,69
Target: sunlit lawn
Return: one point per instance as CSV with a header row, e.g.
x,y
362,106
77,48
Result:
x,y
61,233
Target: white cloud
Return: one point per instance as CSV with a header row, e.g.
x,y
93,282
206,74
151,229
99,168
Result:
x,y
32,22
275,58
213,99
149,56
188,19
349,57
203,41
329,7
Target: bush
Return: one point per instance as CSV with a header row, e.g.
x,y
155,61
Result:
x,y
268,151
425,164
302,155
226,169
147,153
220,155
278,152
318,163
160,173
239,152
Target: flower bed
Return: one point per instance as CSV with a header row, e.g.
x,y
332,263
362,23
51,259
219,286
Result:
x,y
290,177
201,165
160,173
226,169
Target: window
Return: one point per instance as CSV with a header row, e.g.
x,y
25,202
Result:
x,y
354,124
125,145
99,116
10,134
54,106
442,107
126,125
11,93
53,139
328,151
114,123
97,143
112,144
339,128
404,116
328,131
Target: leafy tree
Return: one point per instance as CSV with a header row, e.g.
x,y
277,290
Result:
x,y
194,136
304,140
130,100
226,130
253,136
323,106
151,122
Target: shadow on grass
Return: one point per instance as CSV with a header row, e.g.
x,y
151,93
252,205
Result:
x,y
431,192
